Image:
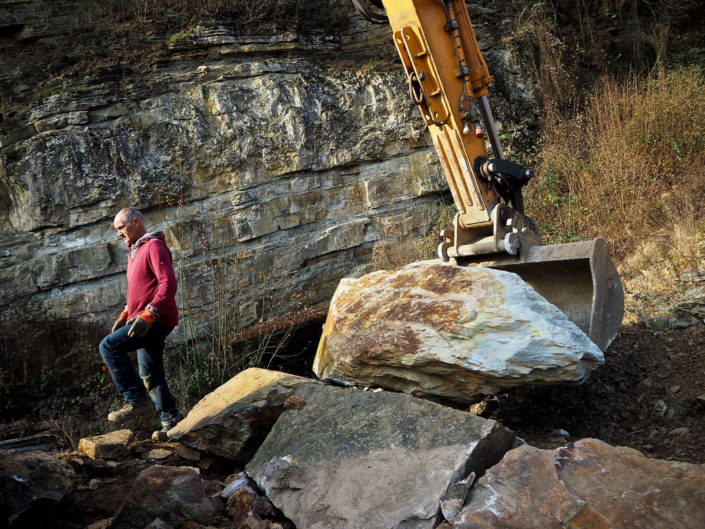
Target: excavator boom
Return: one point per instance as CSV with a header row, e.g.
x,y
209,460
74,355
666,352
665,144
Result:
x,y
448,80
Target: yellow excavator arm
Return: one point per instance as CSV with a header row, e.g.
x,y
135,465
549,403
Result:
x,y
448,79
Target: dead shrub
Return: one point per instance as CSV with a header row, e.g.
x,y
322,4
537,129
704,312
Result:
x,y
311,15
390,254
397,248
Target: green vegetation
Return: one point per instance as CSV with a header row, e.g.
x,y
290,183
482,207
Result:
x,y
182,37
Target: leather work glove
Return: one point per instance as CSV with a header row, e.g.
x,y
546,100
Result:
x,y
141,324
120,322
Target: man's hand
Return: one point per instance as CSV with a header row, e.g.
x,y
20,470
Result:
x,y
120,322
141,324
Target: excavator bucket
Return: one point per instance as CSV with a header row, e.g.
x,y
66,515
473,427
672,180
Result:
x,y
581,280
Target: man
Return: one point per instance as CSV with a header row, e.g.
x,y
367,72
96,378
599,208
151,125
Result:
x,y
150,315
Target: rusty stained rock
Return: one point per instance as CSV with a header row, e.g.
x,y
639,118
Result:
x,y
460,333
249,509
174,494
586,485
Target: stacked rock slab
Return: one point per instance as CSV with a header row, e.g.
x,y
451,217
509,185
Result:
x,y
459,333
355,459
586,485
111,445
234,419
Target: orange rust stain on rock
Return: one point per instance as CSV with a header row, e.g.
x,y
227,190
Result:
x,y
439,279
388,343
394,299
440,317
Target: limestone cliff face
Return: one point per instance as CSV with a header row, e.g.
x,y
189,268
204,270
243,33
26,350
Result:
x,y
273,163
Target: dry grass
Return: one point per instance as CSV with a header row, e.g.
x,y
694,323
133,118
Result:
x,y
391,254
631,160
630,168
397,249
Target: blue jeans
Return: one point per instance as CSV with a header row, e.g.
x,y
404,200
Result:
x,y
150,351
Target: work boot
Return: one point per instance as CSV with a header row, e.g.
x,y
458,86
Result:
x,y
161,435
132,410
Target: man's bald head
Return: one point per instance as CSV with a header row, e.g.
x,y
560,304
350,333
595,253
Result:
x,y
129,223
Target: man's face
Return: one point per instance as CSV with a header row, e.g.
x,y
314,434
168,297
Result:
x,y
130,232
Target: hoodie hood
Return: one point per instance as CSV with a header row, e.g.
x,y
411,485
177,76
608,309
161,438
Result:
x,y
144,239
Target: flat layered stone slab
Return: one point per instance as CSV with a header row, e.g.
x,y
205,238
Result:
x,y
112,445
586,485
356,459
233,420
459,333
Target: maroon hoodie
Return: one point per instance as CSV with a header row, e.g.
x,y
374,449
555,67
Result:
x,y
151,282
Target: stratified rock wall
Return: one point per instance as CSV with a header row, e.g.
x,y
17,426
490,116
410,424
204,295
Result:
x,y
273,163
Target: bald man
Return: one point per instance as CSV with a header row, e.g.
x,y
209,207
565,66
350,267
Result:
x,y
149,316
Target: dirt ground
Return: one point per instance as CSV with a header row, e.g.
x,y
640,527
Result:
x,y
645,396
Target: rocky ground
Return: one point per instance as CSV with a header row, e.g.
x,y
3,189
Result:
x,y
649,395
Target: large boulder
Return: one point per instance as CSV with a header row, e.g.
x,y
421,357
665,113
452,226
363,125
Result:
x,y
586,485
357,459
233,420
459,333
28,477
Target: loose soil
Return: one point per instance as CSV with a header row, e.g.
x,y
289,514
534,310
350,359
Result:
x,y
645,396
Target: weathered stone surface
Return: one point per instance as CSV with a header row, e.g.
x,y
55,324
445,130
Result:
x,y
186,452
247,508
445,331
95,468
586,485
233,420
174,494
356,459
112,445
158,523
102,524
27,477
157,454
234,162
